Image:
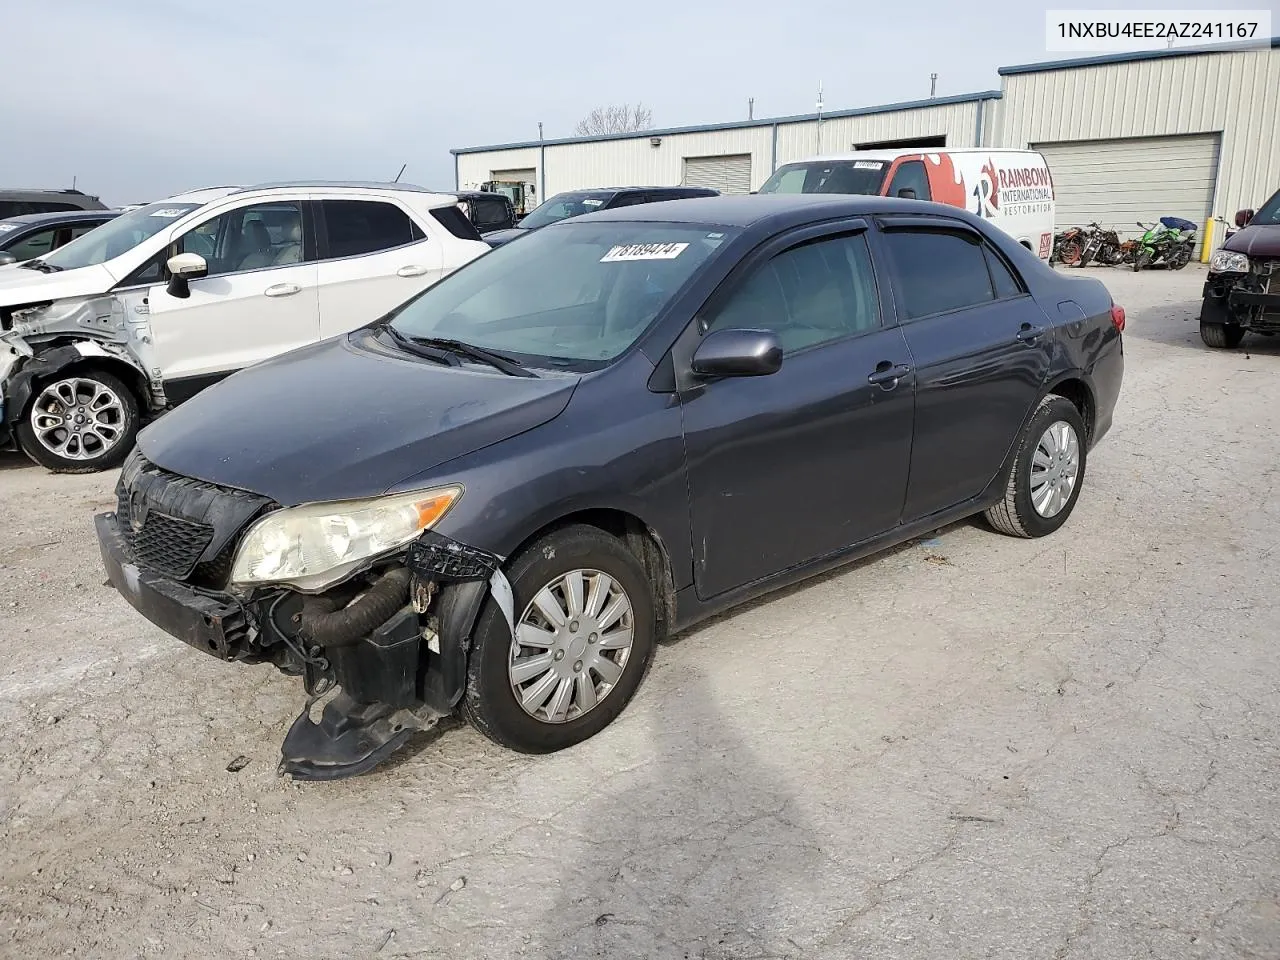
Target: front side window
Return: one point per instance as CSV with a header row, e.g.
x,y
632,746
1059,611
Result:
x,y
828,176
248,238
565,205
33,245
357,227
119,236
575,296
814,293
911,176
938,271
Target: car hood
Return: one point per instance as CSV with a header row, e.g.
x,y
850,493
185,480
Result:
x,y
497,238
345,418
19,285
1262,240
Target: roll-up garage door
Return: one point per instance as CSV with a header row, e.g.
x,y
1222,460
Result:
x,y
1119,182
728,174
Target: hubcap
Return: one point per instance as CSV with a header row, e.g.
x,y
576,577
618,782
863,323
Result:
x,y
78,418
1055,466
572,643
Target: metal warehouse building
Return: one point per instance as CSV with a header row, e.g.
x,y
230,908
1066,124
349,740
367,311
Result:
x,y
1190,133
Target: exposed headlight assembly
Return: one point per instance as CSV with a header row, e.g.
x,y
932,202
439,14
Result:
x,y
315,545
1224,261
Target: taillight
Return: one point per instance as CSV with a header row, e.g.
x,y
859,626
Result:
x,y
1117,318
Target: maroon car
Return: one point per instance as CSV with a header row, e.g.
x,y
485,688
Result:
x,y
1242,291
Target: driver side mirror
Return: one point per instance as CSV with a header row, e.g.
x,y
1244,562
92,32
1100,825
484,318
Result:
x,y
1244,216
907,193
6,259
738,353
183,268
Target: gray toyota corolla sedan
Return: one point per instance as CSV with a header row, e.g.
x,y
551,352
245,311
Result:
x,y
498,498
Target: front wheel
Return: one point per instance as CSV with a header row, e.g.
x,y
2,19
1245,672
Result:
x,y
584,618
1221,336
80,423
1047,473
1141,260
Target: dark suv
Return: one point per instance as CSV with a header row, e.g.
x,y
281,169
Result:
x,y
574,203
35,234
15,203
1242,291
486,211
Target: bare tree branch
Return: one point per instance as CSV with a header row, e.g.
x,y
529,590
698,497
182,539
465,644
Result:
x,y
616,118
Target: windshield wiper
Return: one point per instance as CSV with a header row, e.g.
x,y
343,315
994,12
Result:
x,y
41,266
458,348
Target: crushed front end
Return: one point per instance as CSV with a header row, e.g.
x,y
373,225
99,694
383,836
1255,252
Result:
x,y
1243,292
384,647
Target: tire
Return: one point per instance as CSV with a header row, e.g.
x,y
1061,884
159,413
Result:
x,y
1142,259
1016,514
109,432
490,703
1070,255
1221,336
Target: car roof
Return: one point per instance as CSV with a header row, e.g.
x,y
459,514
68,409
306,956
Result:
x,y
471,194
61,216
776,210
905,152
691,190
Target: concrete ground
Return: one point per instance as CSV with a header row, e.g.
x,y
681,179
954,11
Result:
x,y
968,747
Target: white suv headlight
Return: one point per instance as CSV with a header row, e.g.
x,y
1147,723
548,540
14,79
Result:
x,y
316,545
1224,261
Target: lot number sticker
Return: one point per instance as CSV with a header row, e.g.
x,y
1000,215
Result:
x,y
644,251
867,165
168,213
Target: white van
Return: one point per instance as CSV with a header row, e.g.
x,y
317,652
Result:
x,y
141,313
1011,188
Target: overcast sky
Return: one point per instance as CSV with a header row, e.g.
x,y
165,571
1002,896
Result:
x,y
140,99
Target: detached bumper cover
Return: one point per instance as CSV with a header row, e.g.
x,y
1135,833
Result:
x,y
213,625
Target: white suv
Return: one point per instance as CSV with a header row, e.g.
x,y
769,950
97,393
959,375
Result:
x,y
141,313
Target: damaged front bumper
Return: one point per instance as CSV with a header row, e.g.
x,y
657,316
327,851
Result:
x,y
1250,301
387,650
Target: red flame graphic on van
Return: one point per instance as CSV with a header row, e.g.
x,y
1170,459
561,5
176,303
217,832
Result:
x,y
989,172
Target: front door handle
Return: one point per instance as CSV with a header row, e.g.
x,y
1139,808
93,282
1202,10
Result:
x,y
1029,334
413,270
887,375
282,290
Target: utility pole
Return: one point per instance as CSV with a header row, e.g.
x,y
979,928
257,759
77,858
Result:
x,y
751,108
819,124
539,129
933,85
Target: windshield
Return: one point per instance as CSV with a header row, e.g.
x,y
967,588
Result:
x,y
576,295
563,206
828,176
1270,212
118,236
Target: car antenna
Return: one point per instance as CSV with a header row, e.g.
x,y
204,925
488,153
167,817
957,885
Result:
x,y
400,174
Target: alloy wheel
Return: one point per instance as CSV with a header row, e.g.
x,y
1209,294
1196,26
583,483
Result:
x,y
78,418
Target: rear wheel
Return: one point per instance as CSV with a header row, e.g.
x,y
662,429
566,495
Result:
x,y
1047,473
80,423
1221,336
584,616
1070,254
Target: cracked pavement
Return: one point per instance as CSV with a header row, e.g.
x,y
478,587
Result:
x,y
983,747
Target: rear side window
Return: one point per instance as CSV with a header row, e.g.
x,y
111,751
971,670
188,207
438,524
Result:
x,y
1002,278
358,227
456,222
34,245
938,271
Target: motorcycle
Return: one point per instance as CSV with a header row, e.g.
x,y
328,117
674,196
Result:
x,y
1101,246
1067,246
1170,241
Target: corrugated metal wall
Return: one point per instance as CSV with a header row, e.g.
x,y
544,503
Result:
x,y
1236,93
636,162
957,121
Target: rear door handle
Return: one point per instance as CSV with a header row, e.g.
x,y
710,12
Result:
x,y
282,290
1028,334
413,270
887,375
